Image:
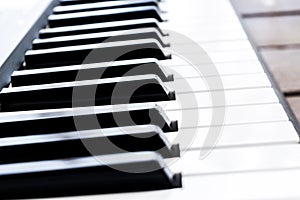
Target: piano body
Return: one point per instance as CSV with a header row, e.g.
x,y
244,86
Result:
x,y
250,152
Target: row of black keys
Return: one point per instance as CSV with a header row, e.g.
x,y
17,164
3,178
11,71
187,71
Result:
x,y
137,44
34,140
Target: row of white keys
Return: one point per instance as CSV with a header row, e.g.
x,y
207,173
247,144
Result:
x,y
199,23
228,57
202,11
238,158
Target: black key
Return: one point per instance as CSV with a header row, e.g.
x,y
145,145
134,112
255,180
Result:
x,y
95,38
103,5
86,143
122,90
63,120
103,70
104,52
100,27
101,16
87,175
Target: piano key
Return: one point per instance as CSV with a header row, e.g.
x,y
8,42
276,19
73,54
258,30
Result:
x,y
233,115
209,33
220,48
87,175
218,55
101,70
230,82
72,119
267,184
225,68
265,157
100,27
209,58
232,56
95,38
226,45
73,55
86,143
254,134
102,6
201,20
201,13
121,90
109,15
232,98
209,24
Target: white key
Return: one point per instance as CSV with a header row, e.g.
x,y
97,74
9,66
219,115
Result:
x,y
233,115
254,185
240,45
223,69
199,84
265,157
229,56
229,68
202,57
227,45
244,67
236,135
210,34
232,98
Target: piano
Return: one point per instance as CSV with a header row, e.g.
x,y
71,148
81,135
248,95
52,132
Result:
x,y
135,99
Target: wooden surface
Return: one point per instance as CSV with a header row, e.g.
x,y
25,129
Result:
x,y
284,64
274,31
254,7
295,105
274,26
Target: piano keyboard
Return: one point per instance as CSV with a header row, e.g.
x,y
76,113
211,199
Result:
x,y
161,141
